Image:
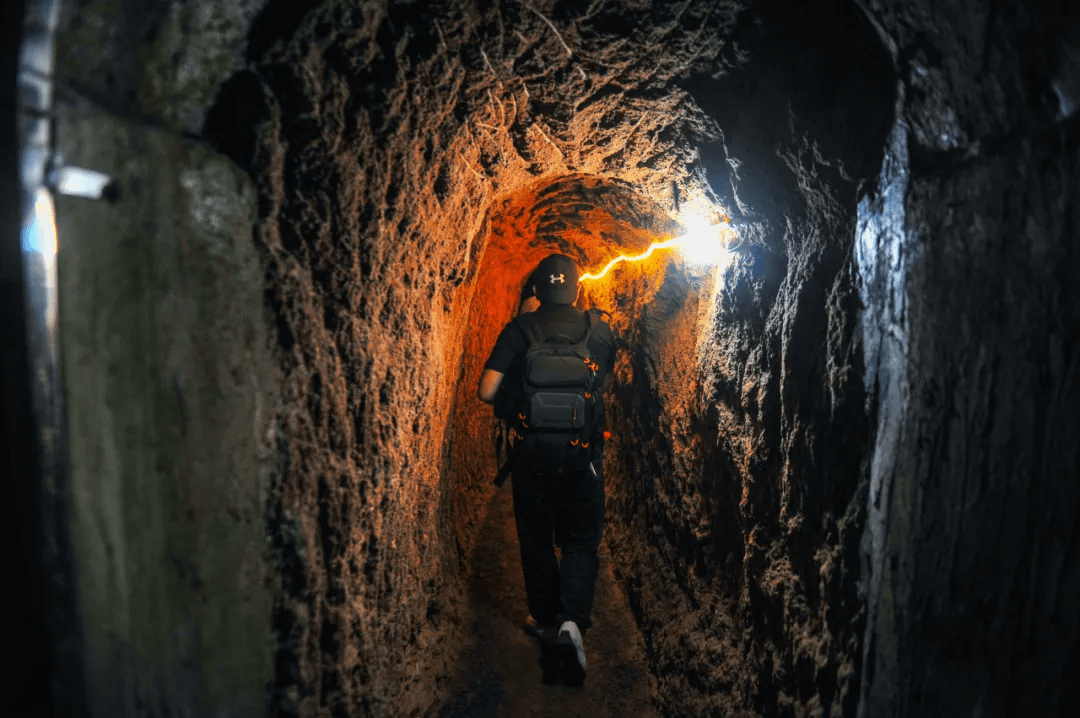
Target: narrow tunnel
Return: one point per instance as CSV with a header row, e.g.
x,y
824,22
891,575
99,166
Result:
x,y
587,218
841,473
593,221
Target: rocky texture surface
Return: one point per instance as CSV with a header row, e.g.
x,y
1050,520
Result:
x,y
388,138
409,163
742,415
970,258
171,393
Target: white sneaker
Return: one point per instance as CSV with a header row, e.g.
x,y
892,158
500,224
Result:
x,y
572,649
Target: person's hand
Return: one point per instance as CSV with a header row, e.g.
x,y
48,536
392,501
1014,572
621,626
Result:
x,y
529,304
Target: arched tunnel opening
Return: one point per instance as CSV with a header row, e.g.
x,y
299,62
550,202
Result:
x,y
585,217
593,221
840,478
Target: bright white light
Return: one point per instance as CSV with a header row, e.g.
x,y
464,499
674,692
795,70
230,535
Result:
x,y
702,246
704,241
39,257
79,182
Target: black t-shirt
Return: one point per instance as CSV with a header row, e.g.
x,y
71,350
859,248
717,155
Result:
x,y
510,347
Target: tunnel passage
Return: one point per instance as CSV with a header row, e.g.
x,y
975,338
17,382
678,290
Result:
x,y
368,141
588,218
376,140
659,310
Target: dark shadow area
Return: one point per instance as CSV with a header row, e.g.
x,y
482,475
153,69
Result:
x,y
232,122
816,70
277,22
27,680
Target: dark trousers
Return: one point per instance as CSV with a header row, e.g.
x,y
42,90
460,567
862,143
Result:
x,y
568,508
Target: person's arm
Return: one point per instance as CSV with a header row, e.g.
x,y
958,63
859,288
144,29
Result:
x,y
507,346
489,385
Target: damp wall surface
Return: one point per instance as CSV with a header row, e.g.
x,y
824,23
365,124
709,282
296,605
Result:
x,y
169,384
170,393
968,254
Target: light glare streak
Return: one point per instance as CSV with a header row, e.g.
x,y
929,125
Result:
x,y
39,234
637,258
699,246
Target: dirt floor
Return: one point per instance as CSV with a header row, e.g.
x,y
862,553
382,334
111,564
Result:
x,y
502,674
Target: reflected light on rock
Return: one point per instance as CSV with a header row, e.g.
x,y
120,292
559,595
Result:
x,y
39,234
709,245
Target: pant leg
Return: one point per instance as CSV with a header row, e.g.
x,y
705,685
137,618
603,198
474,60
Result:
x,y
579,526
534,516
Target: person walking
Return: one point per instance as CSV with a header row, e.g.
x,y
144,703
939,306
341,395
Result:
x,y
545,377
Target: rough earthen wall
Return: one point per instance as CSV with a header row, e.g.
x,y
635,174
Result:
x,y
970,256
386,139
394,146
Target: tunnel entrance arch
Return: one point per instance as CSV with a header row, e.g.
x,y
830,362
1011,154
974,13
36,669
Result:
x,y
657,309
589,218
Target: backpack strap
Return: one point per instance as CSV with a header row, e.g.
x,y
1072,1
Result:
x,y
530,327
583,343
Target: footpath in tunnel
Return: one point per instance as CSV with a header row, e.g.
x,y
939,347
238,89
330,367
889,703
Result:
x,y
502,675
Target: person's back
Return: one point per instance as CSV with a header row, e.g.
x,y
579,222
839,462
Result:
x,y
551,397
557,470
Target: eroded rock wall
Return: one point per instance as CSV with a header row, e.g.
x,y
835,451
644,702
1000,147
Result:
x,y
385,139
970,271
742,430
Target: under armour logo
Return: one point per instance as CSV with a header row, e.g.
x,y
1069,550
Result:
x,y
561,279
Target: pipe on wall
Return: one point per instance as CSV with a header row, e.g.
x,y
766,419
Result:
x,y
42,174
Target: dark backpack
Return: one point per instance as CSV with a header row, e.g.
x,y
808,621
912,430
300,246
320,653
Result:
x,y
557,400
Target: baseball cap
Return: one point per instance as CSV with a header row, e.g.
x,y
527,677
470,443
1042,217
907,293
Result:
x,y
556,280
